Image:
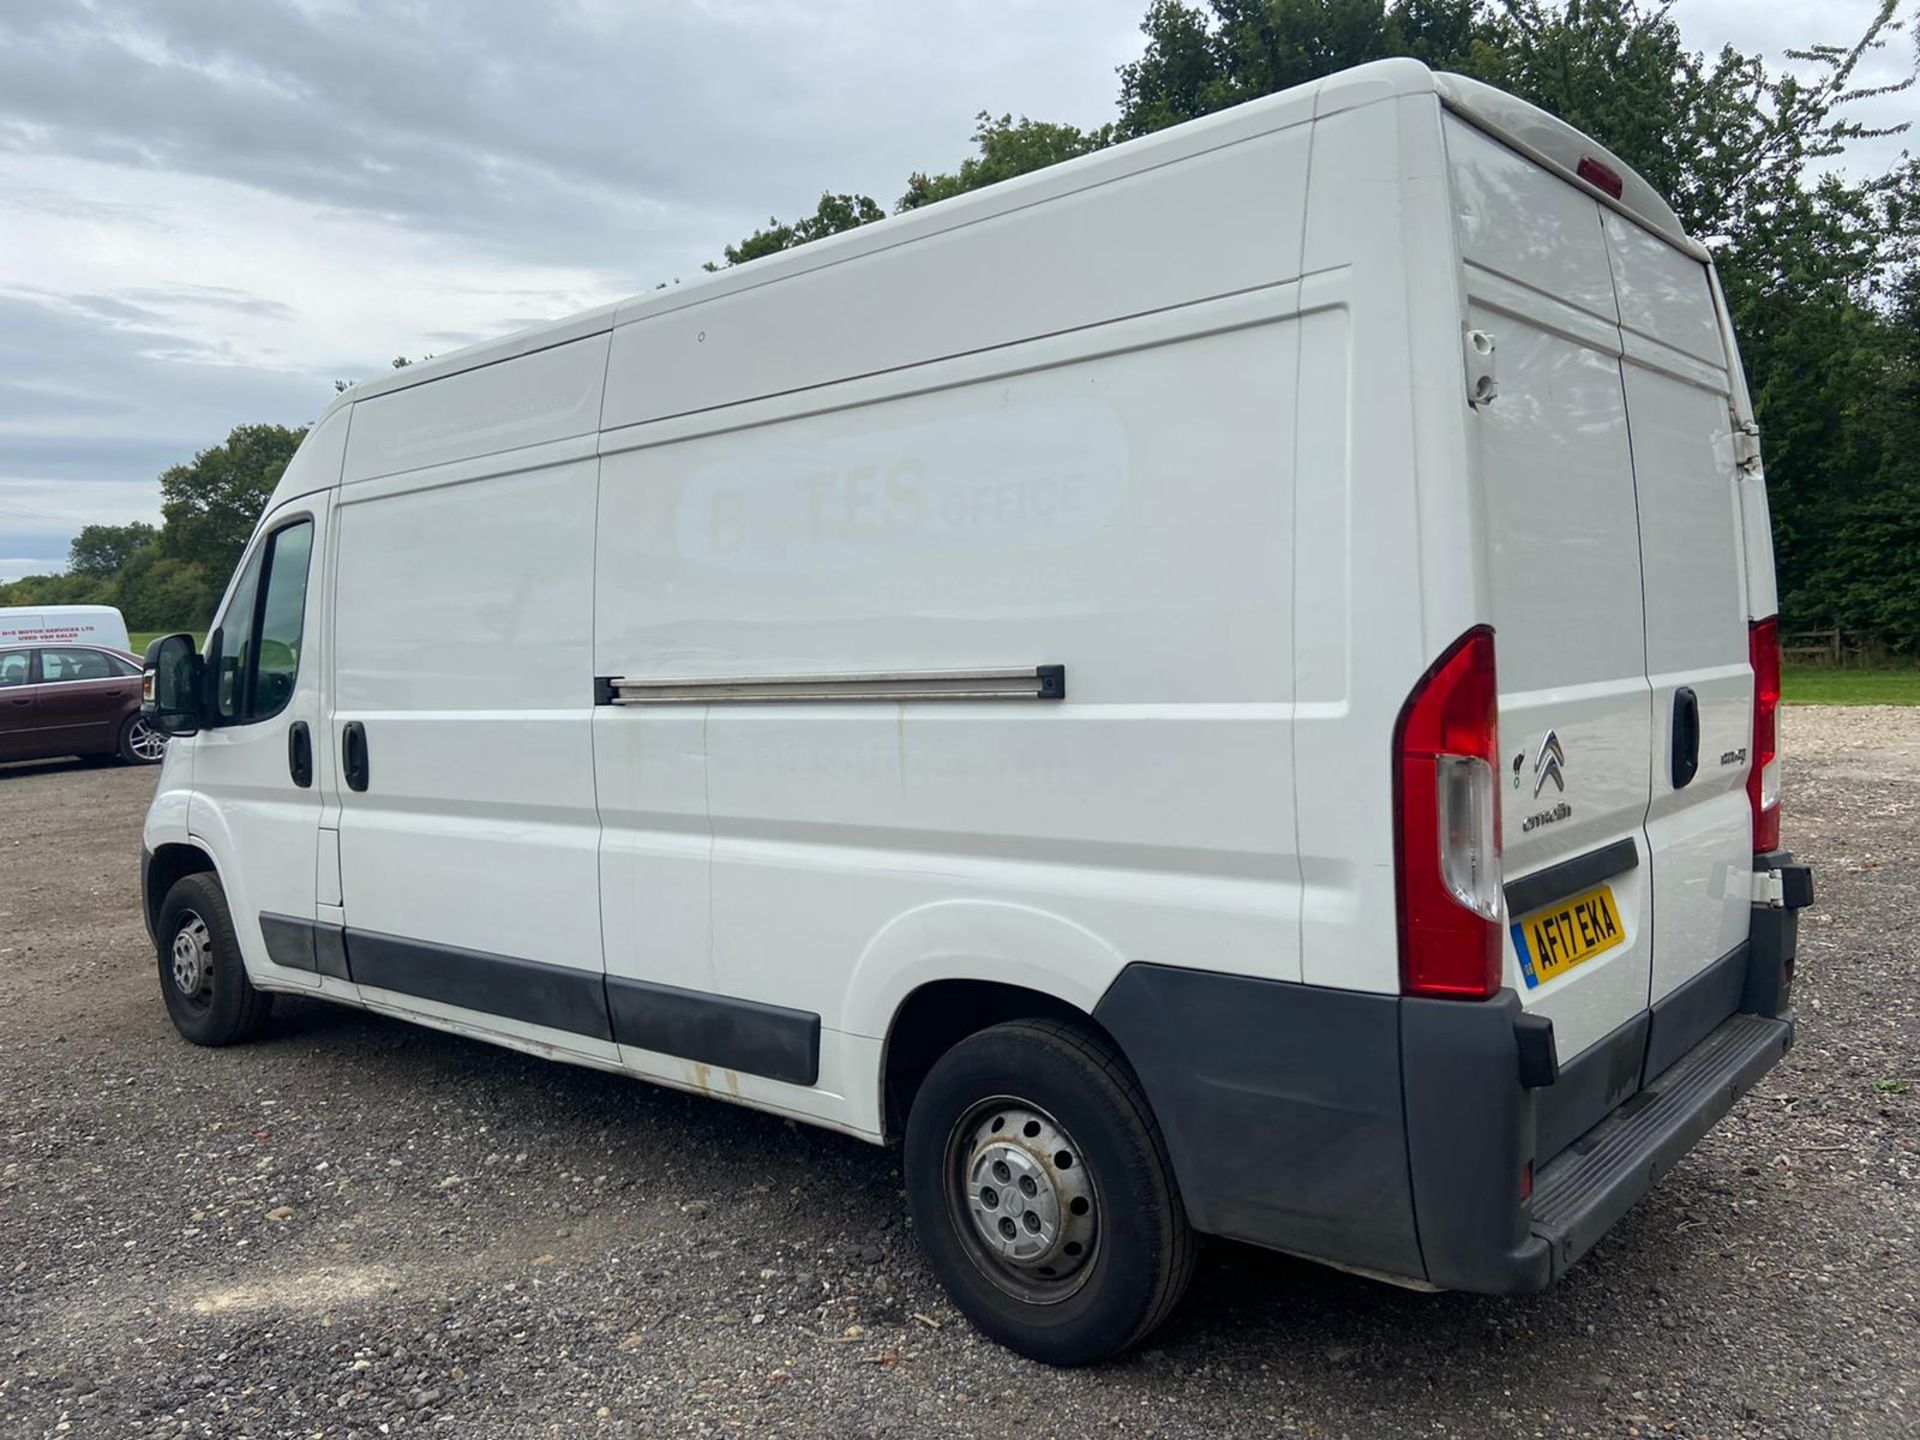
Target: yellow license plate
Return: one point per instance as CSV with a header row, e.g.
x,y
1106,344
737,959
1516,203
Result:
x,y
1551,942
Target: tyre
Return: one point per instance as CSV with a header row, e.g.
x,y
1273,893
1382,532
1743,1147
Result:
x,y
140,743
202,977
1042,1194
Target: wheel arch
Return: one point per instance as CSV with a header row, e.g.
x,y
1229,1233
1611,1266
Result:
x,y
939,1015
164,867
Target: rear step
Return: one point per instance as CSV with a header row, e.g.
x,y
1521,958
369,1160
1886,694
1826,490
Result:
x,y
1587,1187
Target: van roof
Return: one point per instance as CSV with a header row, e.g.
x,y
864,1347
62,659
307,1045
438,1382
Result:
x,y
1543,138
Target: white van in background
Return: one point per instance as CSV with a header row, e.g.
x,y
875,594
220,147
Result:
x,y
64,625
1225,686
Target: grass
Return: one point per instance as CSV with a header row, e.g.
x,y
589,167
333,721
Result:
x,y
1819,685
138,640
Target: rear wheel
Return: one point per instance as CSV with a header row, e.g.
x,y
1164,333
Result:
x,y
202,977
1042,1194
140,742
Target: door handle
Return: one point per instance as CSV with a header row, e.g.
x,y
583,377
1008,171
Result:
x,y
300,753
1686,736
353,751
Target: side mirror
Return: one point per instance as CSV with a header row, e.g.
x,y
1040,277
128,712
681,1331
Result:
x,y
171,690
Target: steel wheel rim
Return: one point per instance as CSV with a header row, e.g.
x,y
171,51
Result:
x,y
191,961
1023,1199
145,741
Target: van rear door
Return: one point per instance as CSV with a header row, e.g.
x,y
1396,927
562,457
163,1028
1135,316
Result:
x,y
1563,561
1679,412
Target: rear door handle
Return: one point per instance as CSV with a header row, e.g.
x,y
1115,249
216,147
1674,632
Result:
x,y
1686,737
300,753
353,751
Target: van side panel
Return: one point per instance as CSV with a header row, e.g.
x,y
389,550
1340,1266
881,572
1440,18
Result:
x,y
1368,591
1125,516
1220,222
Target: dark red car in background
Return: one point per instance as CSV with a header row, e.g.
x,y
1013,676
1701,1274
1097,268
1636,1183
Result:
x,y
73,700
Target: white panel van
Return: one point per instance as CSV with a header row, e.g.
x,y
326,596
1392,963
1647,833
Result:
x,y
64,625
1227,686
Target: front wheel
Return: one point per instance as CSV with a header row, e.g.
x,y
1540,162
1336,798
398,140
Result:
x,y
202,977
140,742
1042,1193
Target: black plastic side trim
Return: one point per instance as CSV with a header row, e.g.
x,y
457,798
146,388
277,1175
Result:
x,y
1281,1108
1569,877
557,996
330,951
289,940
744,1035
603,691
1694,1010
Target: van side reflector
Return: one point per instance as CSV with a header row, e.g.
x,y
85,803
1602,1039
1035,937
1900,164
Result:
x,y
1600,176
1038,682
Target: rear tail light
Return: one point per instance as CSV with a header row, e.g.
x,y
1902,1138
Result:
x,y
148,680
1447,812
1763,780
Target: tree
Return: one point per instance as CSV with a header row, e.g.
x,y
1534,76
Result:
x,y
1007,148
212,503
1197,62
834,214
104,550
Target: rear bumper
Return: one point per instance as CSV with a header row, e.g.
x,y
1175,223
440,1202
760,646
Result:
x,y
1395,1135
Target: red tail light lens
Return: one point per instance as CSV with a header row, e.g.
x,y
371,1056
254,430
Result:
x,y
1600,176
1763,780
1447,810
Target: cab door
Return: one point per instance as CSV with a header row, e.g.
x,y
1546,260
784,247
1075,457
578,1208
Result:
x,y
19,712
254,801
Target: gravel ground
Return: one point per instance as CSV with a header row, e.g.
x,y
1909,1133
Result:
x,y
356,1227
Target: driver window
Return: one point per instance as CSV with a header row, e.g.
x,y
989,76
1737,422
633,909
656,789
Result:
x,y
233,645
258,651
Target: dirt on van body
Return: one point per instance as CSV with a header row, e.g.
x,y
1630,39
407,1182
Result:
x,y
356,1227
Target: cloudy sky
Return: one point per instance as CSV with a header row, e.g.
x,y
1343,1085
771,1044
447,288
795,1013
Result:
x,y
210,209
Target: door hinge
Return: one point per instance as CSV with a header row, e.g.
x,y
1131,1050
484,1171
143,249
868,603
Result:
x,y
1769,889
1482,383
1746,447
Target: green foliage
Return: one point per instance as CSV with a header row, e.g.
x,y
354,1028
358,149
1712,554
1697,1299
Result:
x,y
1196,63
99,551
1007,148
173,576
210,505
833,214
